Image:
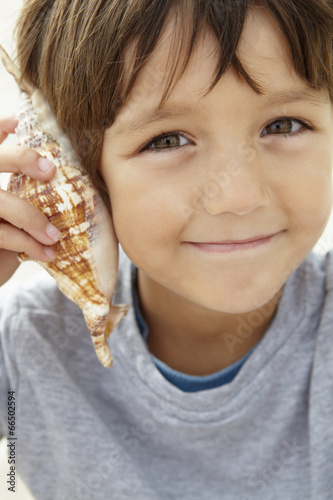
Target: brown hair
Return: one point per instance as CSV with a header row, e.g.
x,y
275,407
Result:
x,y
74,50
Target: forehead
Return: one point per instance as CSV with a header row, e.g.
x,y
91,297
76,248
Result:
x,y
262,50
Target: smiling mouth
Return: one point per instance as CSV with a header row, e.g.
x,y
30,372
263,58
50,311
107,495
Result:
x,y
233,245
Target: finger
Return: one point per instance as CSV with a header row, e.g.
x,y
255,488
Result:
x,y
8,265
27,161
23,215
7,126
12,238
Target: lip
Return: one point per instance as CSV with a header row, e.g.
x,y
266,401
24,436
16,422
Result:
x,y
234,245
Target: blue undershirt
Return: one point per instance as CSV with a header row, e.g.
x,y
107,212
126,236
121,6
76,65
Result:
x,y
184,382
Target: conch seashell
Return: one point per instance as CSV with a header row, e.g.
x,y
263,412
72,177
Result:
x,y
86,266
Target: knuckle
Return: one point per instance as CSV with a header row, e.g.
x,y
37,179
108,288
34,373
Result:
x,y
35,217
32,220
6,232
29,211
30,244
27,157
28,214
33,248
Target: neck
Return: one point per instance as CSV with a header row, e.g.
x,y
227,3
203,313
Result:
x,y
196,340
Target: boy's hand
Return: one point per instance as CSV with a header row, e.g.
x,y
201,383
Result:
x,y
23,228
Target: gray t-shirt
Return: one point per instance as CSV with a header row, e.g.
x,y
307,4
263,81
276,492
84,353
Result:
x,y
87,432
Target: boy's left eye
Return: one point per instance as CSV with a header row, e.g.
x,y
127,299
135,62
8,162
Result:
x,y
285,127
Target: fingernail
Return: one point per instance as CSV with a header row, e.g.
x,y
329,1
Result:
x,y
52,232
44,165
50,254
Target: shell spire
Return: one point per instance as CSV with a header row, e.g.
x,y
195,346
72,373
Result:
x,y
86,265
14,71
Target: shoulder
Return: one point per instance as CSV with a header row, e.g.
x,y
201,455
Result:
x,y
41,293
329,270
35,319
321,395
315,276
315,285
323,270
318,270
321,267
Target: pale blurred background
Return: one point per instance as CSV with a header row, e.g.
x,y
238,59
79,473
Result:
x,y
9,99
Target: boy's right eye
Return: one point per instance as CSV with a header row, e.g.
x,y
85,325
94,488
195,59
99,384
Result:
x,y
165,142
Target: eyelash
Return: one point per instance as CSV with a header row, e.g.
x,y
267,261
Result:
x,y
175,132
160,136
292,119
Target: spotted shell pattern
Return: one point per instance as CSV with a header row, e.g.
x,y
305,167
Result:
x,y
86,265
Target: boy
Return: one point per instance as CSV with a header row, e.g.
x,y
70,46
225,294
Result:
x,y
222,380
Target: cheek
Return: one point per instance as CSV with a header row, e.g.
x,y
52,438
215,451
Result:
x,y
311,201
305,189
145,212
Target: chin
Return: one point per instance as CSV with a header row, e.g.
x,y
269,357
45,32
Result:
x,y
243,302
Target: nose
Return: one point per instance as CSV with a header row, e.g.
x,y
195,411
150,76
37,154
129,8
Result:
x,y
237,187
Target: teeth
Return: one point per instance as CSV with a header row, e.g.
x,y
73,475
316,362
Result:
x,y
86,265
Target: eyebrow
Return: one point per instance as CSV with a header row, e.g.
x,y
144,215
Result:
x,y
311,96
154,115
151,116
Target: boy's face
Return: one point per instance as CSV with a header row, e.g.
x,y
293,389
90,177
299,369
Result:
x,y
246,166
